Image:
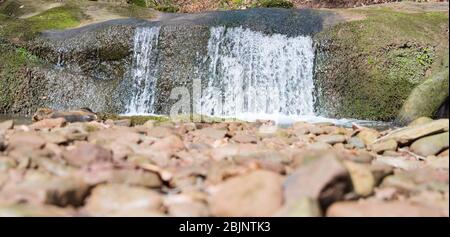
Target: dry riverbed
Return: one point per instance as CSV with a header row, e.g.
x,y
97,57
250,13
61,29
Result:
x,y
110,168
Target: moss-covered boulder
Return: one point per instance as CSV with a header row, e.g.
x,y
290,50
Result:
x,y
366,69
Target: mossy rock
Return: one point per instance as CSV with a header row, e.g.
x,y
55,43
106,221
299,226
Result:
x,y
57,18
366,69
135,120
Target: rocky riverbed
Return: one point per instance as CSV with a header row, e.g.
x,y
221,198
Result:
x,y
111,168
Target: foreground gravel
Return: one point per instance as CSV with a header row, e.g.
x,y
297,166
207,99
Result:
x,y
109,168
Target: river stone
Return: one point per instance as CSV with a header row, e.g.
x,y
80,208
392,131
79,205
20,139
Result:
x,y
137,177
382,209
362,178
109,198
7,163
122,122
48,124
258,193
431,145
213,133
29,210
331,139
324,179
86,153
356,142
26,141
444,153
368,136
41,188
420,120
409,134
304,207
386,145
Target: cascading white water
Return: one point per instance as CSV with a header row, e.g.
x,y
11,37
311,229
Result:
x,y
253,74
143,71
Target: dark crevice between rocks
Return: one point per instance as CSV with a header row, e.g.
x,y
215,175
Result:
x,y
335,191
443,110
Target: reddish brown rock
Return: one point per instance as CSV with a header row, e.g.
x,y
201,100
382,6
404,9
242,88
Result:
x,y
256,194
85,153
382,209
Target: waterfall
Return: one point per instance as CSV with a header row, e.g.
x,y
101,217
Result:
x,y
243,73
256,74
143,71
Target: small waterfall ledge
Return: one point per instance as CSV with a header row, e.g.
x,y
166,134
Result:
x,y
245,74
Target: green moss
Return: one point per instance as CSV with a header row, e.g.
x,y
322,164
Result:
x,y
13,80
54,19
140,3
274,3
366,69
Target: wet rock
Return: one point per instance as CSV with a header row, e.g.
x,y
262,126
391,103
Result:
x,y
85,153
48,124
381,209
324,179
431,145
81,115
362,179
105,200
368,136
409,134
331,139
256,194
386,145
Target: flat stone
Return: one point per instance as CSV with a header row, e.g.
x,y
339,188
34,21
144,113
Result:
x,y
137,177
356,142
311,179
409,134
258,193
368,136
48,124
331,139
107,199
86,153
386,145
40,188
29,210
212,133
362,178
25,141
123,122
419,121
382,209
431,145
